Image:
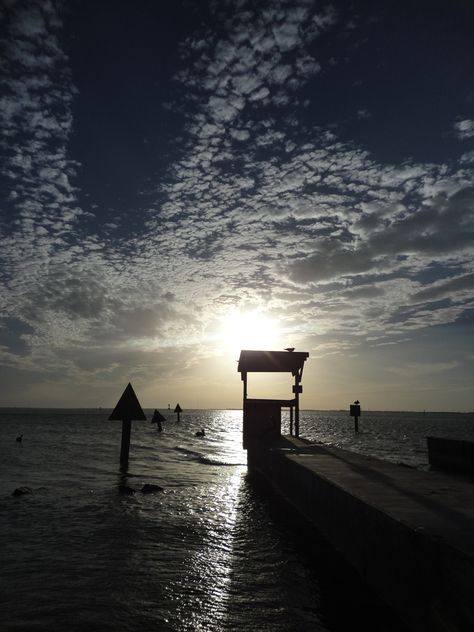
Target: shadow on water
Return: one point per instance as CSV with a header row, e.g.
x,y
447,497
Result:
x,y
308,588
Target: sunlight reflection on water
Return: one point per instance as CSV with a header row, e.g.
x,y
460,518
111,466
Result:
x,y
212,559
204,554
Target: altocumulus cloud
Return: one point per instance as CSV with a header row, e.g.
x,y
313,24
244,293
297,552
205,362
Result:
x,y
259,205
70,288
310,212
464,129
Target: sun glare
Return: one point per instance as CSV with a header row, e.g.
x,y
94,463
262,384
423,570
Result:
x,y
249,330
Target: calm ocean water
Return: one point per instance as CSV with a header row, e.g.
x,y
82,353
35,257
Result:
x,y
205,554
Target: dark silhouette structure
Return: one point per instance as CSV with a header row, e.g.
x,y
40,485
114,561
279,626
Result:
x,y
178,410
157,419
262,417
354,411
127,408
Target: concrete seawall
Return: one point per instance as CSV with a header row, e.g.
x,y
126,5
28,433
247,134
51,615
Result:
x,y
409,534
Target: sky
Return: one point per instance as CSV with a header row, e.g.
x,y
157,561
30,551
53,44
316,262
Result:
x,y
180,180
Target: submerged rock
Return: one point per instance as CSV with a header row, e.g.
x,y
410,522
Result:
x,y
21,491
148,488
125,489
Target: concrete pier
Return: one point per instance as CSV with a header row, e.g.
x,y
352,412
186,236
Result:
x,y
409,534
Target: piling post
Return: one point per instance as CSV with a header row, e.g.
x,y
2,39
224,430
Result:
x,y
178,410
297,389
127,408
354,411
125,445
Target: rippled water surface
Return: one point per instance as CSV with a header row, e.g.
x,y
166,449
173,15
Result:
x,y
399,437
206,553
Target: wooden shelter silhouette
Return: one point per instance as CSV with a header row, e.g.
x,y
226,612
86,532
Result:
x,y
262,417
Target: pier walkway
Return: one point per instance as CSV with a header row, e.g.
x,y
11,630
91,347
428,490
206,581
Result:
x,y
409,533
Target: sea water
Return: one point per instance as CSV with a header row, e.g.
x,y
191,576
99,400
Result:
x,y
207,553
399,437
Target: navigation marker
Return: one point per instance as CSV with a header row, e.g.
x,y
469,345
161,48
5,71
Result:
x,y
127,408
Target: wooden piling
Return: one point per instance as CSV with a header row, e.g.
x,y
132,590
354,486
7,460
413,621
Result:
x,y
355,412
125,446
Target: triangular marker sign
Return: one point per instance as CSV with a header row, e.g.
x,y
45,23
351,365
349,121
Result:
x,y
128,407
157,416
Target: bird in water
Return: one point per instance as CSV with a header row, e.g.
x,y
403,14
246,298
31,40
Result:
x,y
20,438
200,433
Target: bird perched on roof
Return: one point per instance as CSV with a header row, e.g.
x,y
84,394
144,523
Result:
x,y
289,349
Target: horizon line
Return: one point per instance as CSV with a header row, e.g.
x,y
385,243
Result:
x,y
336,410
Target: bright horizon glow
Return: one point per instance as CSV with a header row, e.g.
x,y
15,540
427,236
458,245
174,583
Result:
x,y
248,330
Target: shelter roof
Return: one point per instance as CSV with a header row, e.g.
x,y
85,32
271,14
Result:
x,y
271,361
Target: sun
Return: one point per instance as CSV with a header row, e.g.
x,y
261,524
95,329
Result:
x,y
248,330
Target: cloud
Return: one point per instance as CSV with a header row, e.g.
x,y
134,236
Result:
x,y
464,129
442,225
363,114
37,123
454,287
333,261
240,134
467,157
416,370
259,206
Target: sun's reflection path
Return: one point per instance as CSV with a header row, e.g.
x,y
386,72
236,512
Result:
x,y
204,607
